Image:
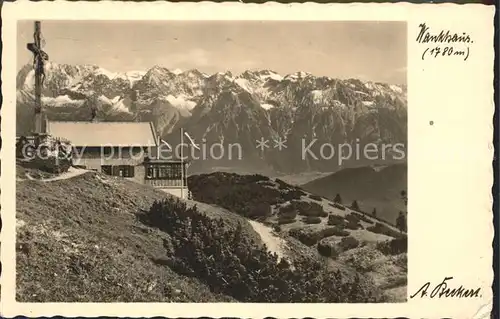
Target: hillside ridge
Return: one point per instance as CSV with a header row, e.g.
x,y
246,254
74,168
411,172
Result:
x,y
105,236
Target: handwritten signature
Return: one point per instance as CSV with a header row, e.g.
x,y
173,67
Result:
x,y
442,290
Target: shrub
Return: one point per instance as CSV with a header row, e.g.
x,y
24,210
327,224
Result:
x,y
277,228
353,225
231,264
352,217
311,220
282,184
285,220
334,231
394,246
292,194
338,206
335,220
327,250
309,209
287,211
260,210
257,178
306,237
380,228
349,243
241,194
311,237
315,197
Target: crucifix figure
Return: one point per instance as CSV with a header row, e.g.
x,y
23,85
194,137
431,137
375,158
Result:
x,y
39,58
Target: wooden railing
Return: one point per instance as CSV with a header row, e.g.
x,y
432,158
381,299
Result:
x,y
164,182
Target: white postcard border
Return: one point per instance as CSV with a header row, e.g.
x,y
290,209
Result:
x,y
449,172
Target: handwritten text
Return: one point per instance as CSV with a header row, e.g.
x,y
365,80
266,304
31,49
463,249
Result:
x,y
443,291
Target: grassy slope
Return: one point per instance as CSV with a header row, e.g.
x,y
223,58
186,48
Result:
x,y
390,272
79,240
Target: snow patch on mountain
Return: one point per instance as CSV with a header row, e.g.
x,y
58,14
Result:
x,y
181,102
396,88
134,76
266,106
317,96
110,75
116,103
271,75
59,101
297,75
243,84
119,106
338,104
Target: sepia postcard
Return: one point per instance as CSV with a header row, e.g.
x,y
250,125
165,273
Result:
x,y
247,160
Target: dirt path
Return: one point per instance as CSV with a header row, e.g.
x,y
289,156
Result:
x,y
274,243
72,172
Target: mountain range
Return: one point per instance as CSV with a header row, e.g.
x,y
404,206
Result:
x,y
298,108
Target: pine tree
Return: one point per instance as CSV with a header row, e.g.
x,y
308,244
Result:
x,y
374,213
404,196
338,199
401,222
355,205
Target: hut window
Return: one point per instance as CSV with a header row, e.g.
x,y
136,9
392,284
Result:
x,y
119,170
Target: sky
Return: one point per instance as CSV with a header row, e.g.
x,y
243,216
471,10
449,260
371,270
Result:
x,y
368,50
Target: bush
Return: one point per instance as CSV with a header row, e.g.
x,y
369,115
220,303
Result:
x,y
394,246
338,206
277,228
311,237
380,228
334,231
285,220
352,218
287,211
257,178
309,209
315,197
292,194
335,220
306,237
327,250
349,243
260,210
282,184
311,220
353,225
241,194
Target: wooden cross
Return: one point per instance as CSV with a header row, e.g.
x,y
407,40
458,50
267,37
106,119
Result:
x,y
39,58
